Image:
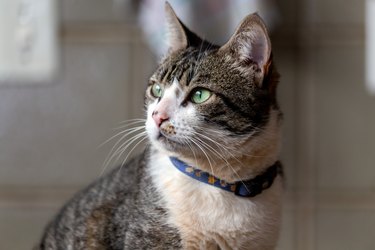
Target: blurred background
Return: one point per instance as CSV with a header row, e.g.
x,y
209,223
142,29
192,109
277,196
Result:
x,y
71,70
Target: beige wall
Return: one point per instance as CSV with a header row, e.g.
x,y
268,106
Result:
x,y
49,135
334,119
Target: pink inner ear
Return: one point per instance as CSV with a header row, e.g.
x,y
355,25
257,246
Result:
x,y
259,52
254,46
250,42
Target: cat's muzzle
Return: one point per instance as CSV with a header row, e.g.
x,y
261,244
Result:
x,y
167,128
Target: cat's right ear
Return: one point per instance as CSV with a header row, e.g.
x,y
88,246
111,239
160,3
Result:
x,y
178,35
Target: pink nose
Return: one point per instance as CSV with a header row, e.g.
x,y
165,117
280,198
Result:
x,y
159,117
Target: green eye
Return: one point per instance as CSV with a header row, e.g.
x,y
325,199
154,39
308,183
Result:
x,y
156,90
200,96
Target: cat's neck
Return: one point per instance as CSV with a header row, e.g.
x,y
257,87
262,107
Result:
x,y
235,220
253,158
237,168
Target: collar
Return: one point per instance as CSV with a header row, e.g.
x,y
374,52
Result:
x,y
246,188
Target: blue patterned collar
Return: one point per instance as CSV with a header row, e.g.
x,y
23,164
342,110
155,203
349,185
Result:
x,y
247,188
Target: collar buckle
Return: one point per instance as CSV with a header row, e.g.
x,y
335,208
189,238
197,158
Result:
x,y
248,188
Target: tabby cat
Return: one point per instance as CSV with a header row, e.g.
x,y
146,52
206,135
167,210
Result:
x,y
210,176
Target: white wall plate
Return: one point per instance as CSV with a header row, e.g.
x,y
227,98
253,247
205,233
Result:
x,y
28,41
370,46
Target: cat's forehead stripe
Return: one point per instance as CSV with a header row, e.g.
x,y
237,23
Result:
x,y
183,68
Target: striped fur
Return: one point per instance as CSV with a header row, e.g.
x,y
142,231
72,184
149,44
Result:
x,y
234,135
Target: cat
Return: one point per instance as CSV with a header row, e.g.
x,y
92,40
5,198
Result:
x,y
209,177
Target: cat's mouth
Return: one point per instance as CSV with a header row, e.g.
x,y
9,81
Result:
x,y
161,137
164,139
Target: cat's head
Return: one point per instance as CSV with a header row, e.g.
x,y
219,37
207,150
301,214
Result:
x,y
212,102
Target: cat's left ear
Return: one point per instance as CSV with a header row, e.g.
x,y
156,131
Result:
x,y
250,43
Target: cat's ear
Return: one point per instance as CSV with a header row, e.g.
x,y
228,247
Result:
x,y
178,35
250,43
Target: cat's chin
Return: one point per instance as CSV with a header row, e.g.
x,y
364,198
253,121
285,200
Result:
x,y
164,143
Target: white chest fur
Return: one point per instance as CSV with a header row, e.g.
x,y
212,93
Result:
x,y
208,217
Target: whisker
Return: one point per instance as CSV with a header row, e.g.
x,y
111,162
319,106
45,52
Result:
x,y
228,164
120,133
134,147
186,140
120,140
207,146
132,120
220,147
229,150
215,142
129,124
220,156
235,172
125,145
209,161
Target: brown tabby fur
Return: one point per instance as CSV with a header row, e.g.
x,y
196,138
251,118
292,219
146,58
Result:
x,y
148,204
